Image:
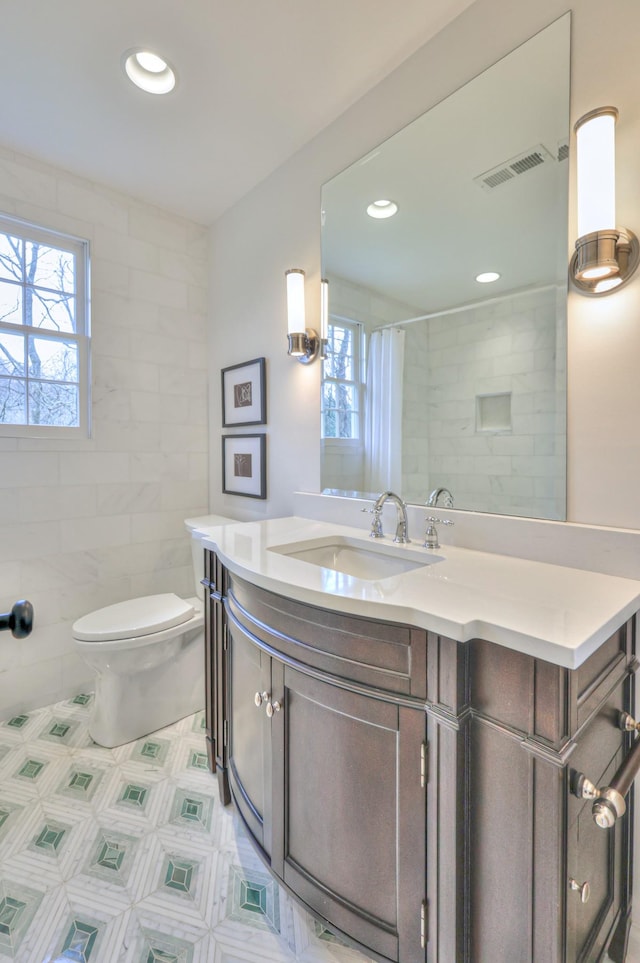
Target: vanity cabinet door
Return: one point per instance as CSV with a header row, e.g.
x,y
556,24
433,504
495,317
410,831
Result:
x,y
215,668
249,749
594,857
350,835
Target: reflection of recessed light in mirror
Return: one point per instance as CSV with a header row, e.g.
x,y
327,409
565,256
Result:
x,y
607,285
149,71
382,209
487,277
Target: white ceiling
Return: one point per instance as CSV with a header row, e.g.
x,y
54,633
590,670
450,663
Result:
x,y
256,81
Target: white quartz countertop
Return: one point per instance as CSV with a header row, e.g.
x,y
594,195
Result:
x,y
548,611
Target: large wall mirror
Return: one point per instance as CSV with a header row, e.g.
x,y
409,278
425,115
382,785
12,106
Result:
x,y
435,375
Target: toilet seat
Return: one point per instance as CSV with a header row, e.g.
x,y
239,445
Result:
x,y
133,619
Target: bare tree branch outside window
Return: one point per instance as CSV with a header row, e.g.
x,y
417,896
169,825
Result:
x,y
340,387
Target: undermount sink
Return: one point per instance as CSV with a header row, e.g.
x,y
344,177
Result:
x,y
356,558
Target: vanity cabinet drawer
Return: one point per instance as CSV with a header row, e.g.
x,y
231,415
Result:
x,y
601,743
598,673
380,655
594,857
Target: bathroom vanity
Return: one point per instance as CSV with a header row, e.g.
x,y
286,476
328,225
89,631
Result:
x,y
411,771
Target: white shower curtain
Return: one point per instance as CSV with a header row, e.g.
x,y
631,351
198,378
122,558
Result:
x,y
383,416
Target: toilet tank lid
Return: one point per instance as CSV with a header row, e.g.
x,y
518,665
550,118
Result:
x,y
128,620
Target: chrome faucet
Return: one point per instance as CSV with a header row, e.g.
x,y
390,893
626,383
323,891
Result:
x,y
402,528
432,500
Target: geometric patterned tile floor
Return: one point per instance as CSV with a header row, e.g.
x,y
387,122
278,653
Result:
x,y
126,855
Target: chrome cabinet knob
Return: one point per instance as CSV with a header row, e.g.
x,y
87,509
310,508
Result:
x,y
584,890
260,697
273,707
627,723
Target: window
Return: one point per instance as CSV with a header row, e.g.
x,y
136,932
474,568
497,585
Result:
x,y
342,381
44,343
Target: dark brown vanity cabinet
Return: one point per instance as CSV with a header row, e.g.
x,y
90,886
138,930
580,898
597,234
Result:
x,y
416,793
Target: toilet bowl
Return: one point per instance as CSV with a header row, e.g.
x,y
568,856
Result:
x,y
148,657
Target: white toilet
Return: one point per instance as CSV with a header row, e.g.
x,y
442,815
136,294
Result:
x,y
148,655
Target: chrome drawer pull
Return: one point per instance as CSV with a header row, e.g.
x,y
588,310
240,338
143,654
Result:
x,y
609,804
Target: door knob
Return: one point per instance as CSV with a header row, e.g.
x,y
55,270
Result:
x,y
260,697
273,707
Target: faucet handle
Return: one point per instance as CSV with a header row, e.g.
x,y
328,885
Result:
x,y
431,534
376,521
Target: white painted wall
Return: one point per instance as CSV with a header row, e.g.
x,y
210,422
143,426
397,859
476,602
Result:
x,y
87,523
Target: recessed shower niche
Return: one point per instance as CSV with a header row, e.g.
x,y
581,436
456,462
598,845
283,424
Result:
x,y
493,412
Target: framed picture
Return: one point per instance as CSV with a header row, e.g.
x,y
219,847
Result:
x,y
244,465
244,394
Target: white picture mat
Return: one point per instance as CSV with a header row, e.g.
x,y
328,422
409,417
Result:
x,y
246,413
240,445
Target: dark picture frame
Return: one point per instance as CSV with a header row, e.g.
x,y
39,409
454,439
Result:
x,y
244,394
244,465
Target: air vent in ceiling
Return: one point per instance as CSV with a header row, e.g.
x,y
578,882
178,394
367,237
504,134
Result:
x,y
563,150
515,167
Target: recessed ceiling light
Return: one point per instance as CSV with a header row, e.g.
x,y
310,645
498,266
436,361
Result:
x,y
382,209
149,71
487,277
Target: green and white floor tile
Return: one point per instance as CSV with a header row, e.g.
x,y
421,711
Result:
x,y
126,855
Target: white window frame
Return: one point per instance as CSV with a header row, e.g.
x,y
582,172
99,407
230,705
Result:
x,y
358,382
79,247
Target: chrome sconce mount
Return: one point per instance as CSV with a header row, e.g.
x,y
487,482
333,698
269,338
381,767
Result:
x,y
617,250
304,345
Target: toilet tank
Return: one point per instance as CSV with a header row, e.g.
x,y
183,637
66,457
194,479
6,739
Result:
x,y
197,552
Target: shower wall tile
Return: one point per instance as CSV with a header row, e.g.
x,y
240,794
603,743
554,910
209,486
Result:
x,y
511,347
86,522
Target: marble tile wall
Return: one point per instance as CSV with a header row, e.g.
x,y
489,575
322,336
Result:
x,y
89,522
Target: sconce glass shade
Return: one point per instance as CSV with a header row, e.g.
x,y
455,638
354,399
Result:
x,y
596,160
295,301
324,309
605,255
303,342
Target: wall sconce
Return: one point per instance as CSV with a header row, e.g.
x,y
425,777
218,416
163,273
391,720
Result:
x,y
304,343
605,256
324,317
